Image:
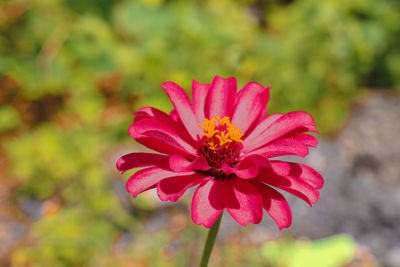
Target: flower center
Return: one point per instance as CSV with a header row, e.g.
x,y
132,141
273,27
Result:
x,y
221,142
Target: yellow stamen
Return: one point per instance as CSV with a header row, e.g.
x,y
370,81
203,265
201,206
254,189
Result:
x,y
221,135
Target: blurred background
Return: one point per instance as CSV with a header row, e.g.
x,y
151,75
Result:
x,y
73,71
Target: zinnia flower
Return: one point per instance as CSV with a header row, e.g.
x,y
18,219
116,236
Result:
x,y
222,142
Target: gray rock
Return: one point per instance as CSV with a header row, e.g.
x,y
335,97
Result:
x,y
361,195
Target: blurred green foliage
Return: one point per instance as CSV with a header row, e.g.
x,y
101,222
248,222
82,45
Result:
x,y
334,251
72,71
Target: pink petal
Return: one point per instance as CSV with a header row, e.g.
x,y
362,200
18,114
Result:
x,y
275,204
146,112
180,164
164,118
251,103
307,139
298,170
290,184
183,107
134,160
246,170
260,128
150,112
148,178
256,159
199,95
248,166
207,203
222,97
243,201
264,112
173,188
288,125
174,115
283,147
159,137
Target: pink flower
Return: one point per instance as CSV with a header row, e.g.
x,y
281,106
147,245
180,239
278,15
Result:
x,y
222,142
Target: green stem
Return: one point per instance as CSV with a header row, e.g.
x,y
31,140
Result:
x,y
212,234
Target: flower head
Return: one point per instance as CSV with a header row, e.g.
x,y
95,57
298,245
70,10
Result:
x,y
222,141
